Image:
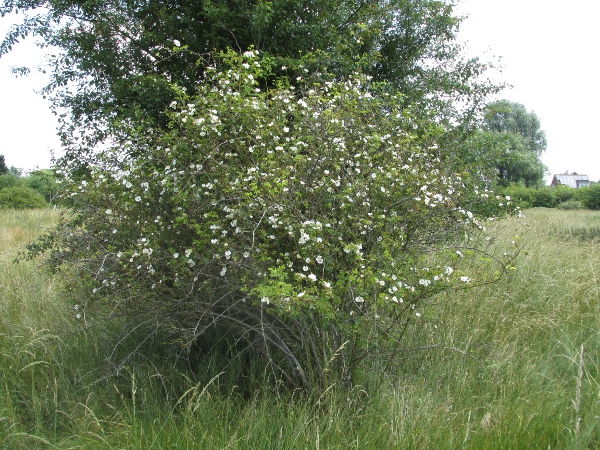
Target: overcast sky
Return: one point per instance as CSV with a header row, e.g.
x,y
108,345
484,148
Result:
x,y
27,128
549,51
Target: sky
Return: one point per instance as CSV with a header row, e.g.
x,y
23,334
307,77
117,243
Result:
x,y
27,127
548,50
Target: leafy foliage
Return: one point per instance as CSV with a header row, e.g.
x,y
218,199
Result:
x,y
9,180
305,221
44,181
544,197
505,116
591,197
565,193
118,61
510,143
19,197
3,166
570,205
562,197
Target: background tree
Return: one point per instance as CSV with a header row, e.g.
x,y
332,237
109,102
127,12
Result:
x,y
3,166
116,62
504,116
15,171
8,177
21,197
24,191
510,144
44,181
9,180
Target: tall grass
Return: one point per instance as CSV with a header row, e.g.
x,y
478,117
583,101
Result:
x,y
507,365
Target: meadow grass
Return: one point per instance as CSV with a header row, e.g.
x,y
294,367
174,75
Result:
x,y
508,365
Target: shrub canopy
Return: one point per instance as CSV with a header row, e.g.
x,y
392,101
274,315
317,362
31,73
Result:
x,y
590,196
8,180
20,197
307,220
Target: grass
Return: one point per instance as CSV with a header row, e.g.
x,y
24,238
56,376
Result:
x,y
524,381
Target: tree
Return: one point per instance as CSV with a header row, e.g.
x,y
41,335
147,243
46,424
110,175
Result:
x,y
510,143
118,62
43,181
504,116
9,180
305,221
302,192
15,171
3,166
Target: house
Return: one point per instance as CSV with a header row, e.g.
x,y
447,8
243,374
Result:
x,y
570,179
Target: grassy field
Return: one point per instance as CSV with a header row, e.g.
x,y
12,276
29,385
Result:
x,y
510,365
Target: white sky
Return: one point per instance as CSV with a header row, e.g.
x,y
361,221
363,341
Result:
x,y
27,127
549,51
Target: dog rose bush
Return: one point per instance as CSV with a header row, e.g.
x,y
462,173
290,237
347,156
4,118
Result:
x,y
310,220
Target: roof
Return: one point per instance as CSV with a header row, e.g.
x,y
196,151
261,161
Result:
x,y
570,180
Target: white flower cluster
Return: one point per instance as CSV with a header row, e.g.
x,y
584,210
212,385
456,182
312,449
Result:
x,y
312,194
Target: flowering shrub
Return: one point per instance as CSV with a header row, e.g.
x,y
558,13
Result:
x,y
306,220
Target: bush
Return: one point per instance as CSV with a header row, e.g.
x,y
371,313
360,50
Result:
x,y
20,197
306,222
544,197
564,193
8,180
562,197
570,204
43,181
590,196
521,195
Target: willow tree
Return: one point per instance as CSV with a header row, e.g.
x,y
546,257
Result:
x,y
509,145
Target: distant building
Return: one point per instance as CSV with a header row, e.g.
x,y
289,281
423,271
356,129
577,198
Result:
x,y
570,179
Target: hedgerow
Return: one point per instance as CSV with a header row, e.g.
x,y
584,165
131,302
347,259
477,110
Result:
x,y
591,197
562,197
